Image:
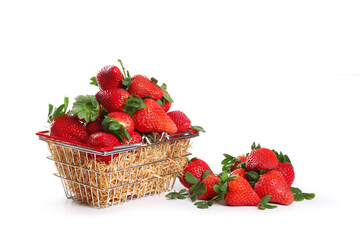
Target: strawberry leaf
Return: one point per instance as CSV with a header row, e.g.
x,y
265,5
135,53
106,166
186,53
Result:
x,y
182,194
191,178
264,203
197,128
206,173
113,126
93,81
300,196
197,190
133,103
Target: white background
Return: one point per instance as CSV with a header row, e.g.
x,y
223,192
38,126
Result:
x,y
282,73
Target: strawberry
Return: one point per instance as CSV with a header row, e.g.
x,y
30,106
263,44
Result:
x,y
124,119
109,77
152,118
231,163
237,162
113,100
68,127
143,87
86,108
273,183
285,168
93,127
261,159
209,182
240,172
135,137
181,120
102,139
195,167
166,101
240,193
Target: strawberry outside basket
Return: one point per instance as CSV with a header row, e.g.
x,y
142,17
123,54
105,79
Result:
x,y
130,172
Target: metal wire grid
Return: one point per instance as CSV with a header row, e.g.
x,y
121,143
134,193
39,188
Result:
x,y
132,173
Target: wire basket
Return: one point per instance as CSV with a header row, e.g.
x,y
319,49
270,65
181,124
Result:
x,y
102,177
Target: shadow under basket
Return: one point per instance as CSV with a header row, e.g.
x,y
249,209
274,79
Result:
x,y
103,177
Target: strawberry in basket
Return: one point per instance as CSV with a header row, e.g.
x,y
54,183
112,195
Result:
x,y
65,125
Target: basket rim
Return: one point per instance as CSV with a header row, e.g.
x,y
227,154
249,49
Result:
x,y
45,136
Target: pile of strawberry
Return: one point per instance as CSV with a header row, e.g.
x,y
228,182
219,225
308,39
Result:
x,y
262,176
123,110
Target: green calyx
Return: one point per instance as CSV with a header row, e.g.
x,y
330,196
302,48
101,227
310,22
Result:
x,y
61,110
163,87
127,77
229,162
93,81
86,107
300,195
197,128
283,158
221,188
133,103
113,126
264,203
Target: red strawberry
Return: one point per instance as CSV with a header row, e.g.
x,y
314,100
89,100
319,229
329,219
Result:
x,y
240,172
164,101
135,138
241,159
93,127
86,108
240,193
273,183
124,119
113,100
109,77
261,159
102,139
68,127
209,182
181,120
143,87
153,118
196,167
287,170
285,167
167,104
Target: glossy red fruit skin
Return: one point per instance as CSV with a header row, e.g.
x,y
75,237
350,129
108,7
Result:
x,y
124,119
240,193
241,159
287,170
93,127
135,138
153,118
113,100
261,159
273,183
68,127
102,139
209,182
181,120
196,167
109,77
240,172
167,104
143,87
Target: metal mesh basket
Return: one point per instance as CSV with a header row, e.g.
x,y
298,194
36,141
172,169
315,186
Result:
x,y
102,177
